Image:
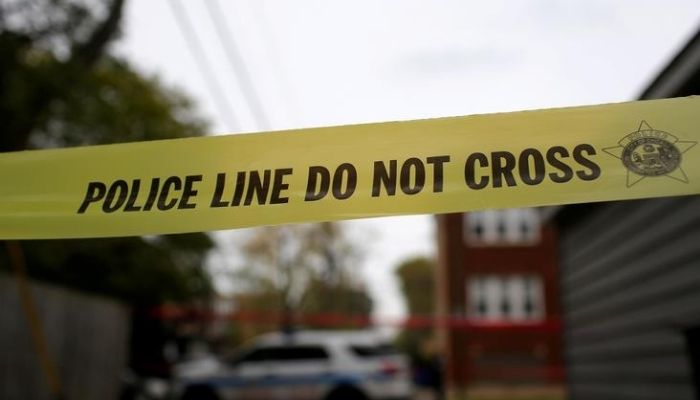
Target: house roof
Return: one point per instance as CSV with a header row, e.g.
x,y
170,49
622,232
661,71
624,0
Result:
x,y
681,77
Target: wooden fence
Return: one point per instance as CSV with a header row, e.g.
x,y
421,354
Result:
x,y
87,337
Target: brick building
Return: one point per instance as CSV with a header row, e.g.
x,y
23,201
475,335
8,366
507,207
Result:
x,y
498,271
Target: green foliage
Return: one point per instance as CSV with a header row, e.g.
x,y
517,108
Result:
x,y
115,104
287,259
56,25
299,271
340,298
47,47
143,272
59,89
417,282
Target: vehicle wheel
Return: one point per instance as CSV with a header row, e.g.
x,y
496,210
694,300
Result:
x,y
199,392
346,393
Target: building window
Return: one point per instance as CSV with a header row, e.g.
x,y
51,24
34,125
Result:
x,y
506,298
517,226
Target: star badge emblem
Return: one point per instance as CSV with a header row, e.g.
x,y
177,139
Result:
x,y
649,152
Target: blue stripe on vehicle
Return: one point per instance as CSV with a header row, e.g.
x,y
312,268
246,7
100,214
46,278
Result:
x,y
325,378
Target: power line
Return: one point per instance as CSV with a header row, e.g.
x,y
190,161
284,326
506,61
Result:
x,y
203,64
237,64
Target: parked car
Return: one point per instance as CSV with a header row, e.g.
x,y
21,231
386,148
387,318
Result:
x,y
323,365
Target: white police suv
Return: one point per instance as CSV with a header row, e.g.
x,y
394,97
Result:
x,y
324,365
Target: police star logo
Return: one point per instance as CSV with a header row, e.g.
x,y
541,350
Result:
x,y
649,152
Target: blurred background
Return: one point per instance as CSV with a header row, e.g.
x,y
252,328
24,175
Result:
x,y
585,301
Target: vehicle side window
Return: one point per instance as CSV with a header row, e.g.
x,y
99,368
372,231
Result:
x,y
255,355
297,353
373,351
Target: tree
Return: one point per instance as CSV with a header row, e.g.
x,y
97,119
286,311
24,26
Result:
x,y
138,271
287,258
418,286
116,104
46,46
299,272
60,88
102,108
336,304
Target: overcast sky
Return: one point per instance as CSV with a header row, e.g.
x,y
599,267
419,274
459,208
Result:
x,y
318,63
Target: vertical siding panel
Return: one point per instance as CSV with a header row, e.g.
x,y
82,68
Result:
x,y
630,286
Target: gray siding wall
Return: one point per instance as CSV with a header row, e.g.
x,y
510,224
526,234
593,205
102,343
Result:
x,y
630,286
87,337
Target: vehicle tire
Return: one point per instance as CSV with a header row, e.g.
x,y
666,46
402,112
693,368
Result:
x,y
199,392
346,393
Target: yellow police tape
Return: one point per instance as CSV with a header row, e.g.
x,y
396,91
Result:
x,y
520,159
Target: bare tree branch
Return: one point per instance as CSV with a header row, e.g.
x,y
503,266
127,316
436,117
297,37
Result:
x,y
88,52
